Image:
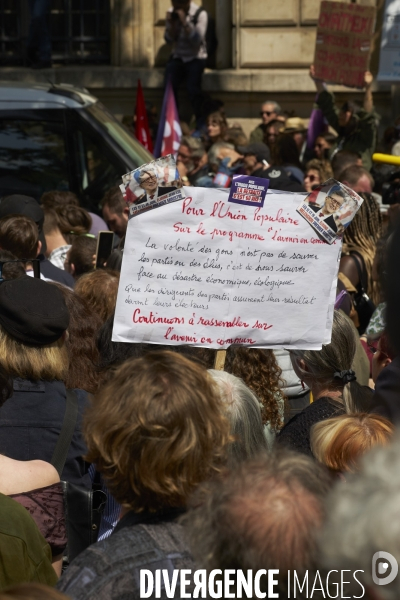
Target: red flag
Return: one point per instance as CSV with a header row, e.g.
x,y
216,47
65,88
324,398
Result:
x,y
142,130
169,129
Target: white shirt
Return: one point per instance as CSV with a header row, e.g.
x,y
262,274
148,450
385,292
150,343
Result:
x,y
191,43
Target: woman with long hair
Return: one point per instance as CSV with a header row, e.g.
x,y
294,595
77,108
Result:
x,y
329,375
358,254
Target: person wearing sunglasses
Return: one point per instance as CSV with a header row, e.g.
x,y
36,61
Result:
x,y
317,172
270,111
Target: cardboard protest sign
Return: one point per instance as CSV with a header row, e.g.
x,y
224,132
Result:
x,y
330,208
248,190
389,59
343,44
152,185
211,273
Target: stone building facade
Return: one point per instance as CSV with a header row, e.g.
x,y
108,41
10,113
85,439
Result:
x,y
264,51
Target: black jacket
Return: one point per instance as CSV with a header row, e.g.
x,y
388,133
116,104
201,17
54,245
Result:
x,y
386,399
54,273
31,421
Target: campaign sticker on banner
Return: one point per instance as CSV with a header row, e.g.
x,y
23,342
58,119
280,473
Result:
x,y
152,185
248,190
330,208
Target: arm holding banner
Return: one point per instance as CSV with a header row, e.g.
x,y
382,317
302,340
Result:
x,y
368,99
325,101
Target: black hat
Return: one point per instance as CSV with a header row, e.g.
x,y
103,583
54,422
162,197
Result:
x,y
260,150
32,311
17,204
279,179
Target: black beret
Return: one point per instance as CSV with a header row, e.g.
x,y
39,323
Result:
x,y
32,311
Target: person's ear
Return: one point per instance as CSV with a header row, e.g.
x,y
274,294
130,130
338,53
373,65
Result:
x,y
72,269
346,183
39,248
125,212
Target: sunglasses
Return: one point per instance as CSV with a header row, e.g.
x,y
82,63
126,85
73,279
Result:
x,y
375,349
266,112
312,178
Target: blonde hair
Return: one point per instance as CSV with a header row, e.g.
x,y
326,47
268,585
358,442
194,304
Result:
x,y
339,442
33,362
156,430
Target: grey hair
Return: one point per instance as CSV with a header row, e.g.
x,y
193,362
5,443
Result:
x,y
277,107
244,414
363,518
263,514
214,150
336,356
195,146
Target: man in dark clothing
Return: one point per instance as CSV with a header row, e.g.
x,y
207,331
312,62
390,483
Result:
x,y
18,204
256,159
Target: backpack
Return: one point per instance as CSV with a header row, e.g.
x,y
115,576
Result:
x,y
210,38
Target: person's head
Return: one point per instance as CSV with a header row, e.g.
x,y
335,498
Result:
x,y
79,259
33,319
261,373
363,519
317,172
115,211
346,114
148,180
361,236
333,201
84,324
285,151
157,429
273,129
18,204
99,289
244,414
181,5
72,221
321,369
265,514
20,236
295,127
269,111
190,152
342,160
253,156
358,179
216,126
323,143
10,268
218,152
57,198
339,442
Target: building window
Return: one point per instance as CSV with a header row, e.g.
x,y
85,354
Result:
x,y
79,29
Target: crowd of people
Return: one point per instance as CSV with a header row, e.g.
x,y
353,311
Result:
x,y
118,457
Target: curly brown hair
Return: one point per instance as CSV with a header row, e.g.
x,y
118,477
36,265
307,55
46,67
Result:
x,y
261,373
156,430
99,289
83,355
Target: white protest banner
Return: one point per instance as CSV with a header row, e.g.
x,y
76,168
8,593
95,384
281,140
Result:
x,y
211,273
389,58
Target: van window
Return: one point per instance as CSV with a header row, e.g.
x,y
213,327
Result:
x,y
32,157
